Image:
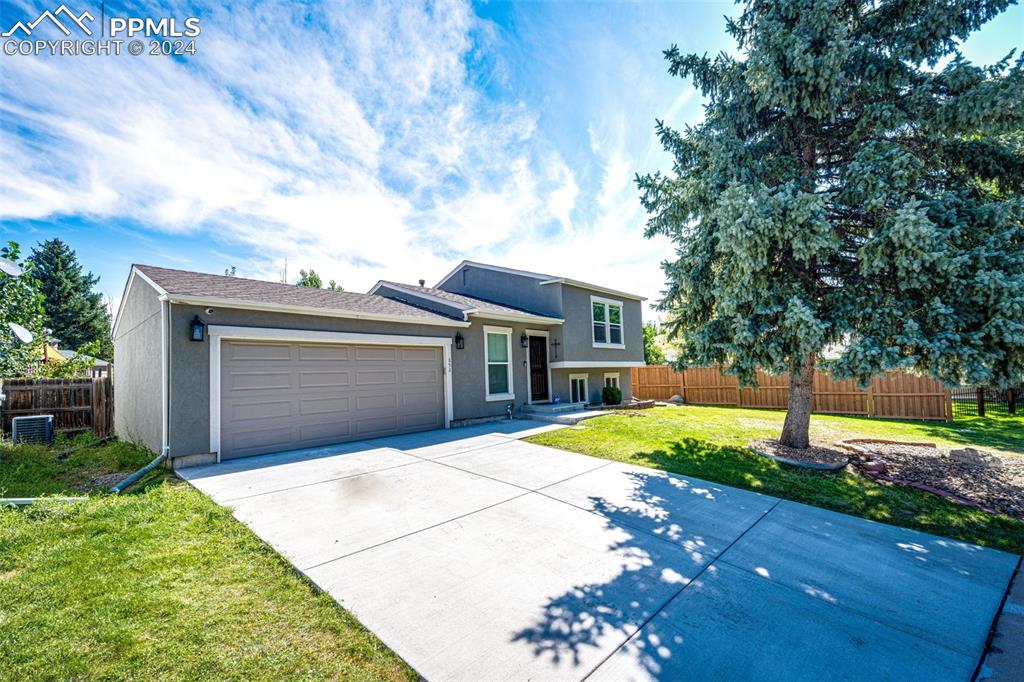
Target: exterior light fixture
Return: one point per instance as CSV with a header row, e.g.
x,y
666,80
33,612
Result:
x,y
524,340
460,341
197,329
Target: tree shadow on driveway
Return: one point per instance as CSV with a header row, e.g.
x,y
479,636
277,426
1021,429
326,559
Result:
x,y
660,555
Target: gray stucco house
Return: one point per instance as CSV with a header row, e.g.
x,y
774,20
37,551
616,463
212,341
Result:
x,y
210,364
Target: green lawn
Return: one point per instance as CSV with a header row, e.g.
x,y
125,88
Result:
x,y
708,443
158,583
67,468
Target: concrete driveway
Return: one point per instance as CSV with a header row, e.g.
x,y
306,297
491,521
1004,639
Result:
x,y
476,556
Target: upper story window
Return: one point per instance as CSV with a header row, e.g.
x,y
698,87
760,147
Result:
x,y
606,315
498,362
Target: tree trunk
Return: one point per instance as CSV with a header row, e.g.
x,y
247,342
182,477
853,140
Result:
x,y
796,429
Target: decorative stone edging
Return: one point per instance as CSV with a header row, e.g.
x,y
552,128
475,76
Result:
x,y
820,466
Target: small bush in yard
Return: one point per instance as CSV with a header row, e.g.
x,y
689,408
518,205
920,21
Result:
x,y
611,395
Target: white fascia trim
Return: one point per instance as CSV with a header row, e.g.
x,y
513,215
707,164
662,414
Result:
x,y
516,317
307,310
465,310
593,287
495,268
595,364
218,333
127,289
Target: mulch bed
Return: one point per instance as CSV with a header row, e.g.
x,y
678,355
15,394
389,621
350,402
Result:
x,y
813,457
991,482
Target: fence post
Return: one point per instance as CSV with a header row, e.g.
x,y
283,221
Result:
x,y
1011,401
980,393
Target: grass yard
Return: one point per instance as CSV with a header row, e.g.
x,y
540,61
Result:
x,y
68,468
157,583
709,443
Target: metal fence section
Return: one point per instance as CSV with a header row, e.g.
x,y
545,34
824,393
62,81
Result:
x,y
983,401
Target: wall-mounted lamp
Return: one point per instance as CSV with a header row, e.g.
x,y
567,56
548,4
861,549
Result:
x,y
460,341
197,329
524,340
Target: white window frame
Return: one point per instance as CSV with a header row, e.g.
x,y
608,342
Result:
x,y
607,303
612,375
494,397
586,385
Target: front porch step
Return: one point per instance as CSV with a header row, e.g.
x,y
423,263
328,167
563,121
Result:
x,y
567,418
552,408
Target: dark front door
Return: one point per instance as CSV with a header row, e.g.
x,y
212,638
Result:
x,y
538,368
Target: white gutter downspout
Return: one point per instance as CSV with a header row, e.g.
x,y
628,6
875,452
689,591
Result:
x,y
165,359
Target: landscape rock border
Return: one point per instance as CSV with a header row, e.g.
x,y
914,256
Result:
x,y
874,467
765,447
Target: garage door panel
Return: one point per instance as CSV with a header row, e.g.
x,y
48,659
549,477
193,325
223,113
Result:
x,y
424,355
374,426
376,377
240,411
320,379
386,401
376,353
278,397
419,401
420,376
327,353
259,381
326,405
322,434
417,421
262,352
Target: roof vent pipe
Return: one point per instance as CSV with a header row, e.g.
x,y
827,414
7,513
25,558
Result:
x,y
423,282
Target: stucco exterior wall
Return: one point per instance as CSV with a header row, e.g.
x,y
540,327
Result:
x,y
190,365
138,402
595,382
518,291
577,334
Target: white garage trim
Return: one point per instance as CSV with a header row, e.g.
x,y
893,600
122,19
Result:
x,y
218,333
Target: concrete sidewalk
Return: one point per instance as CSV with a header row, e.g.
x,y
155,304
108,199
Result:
x,y
476,556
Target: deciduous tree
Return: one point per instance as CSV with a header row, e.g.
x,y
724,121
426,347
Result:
x,y
22,304
856,183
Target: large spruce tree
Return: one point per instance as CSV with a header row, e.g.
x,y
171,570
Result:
x,y
856,184
75,313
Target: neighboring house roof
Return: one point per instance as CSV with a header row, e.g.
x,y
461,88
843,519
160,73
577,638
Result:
x,y
543,279
183,286
70,354
469,305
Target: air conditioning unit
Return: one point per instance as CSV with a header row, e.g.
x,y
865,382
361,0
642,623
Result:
x,y
35,429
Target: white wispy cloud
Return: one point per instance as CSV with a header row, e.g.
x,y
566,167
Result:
x,y
349,138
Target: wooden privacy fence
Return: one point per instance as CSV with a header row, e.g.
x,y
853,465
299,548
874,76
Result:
x,y
896,395
76,404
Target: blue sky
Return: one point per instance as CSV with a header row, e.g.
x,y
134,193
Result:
x,y
366,141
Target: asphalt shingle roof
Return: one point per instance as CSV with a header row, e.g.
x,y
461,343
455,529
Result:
x,y
464,301
186,283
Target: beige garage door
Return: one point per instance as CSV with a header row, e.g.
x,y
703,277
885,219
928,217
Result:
x,y
284,396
